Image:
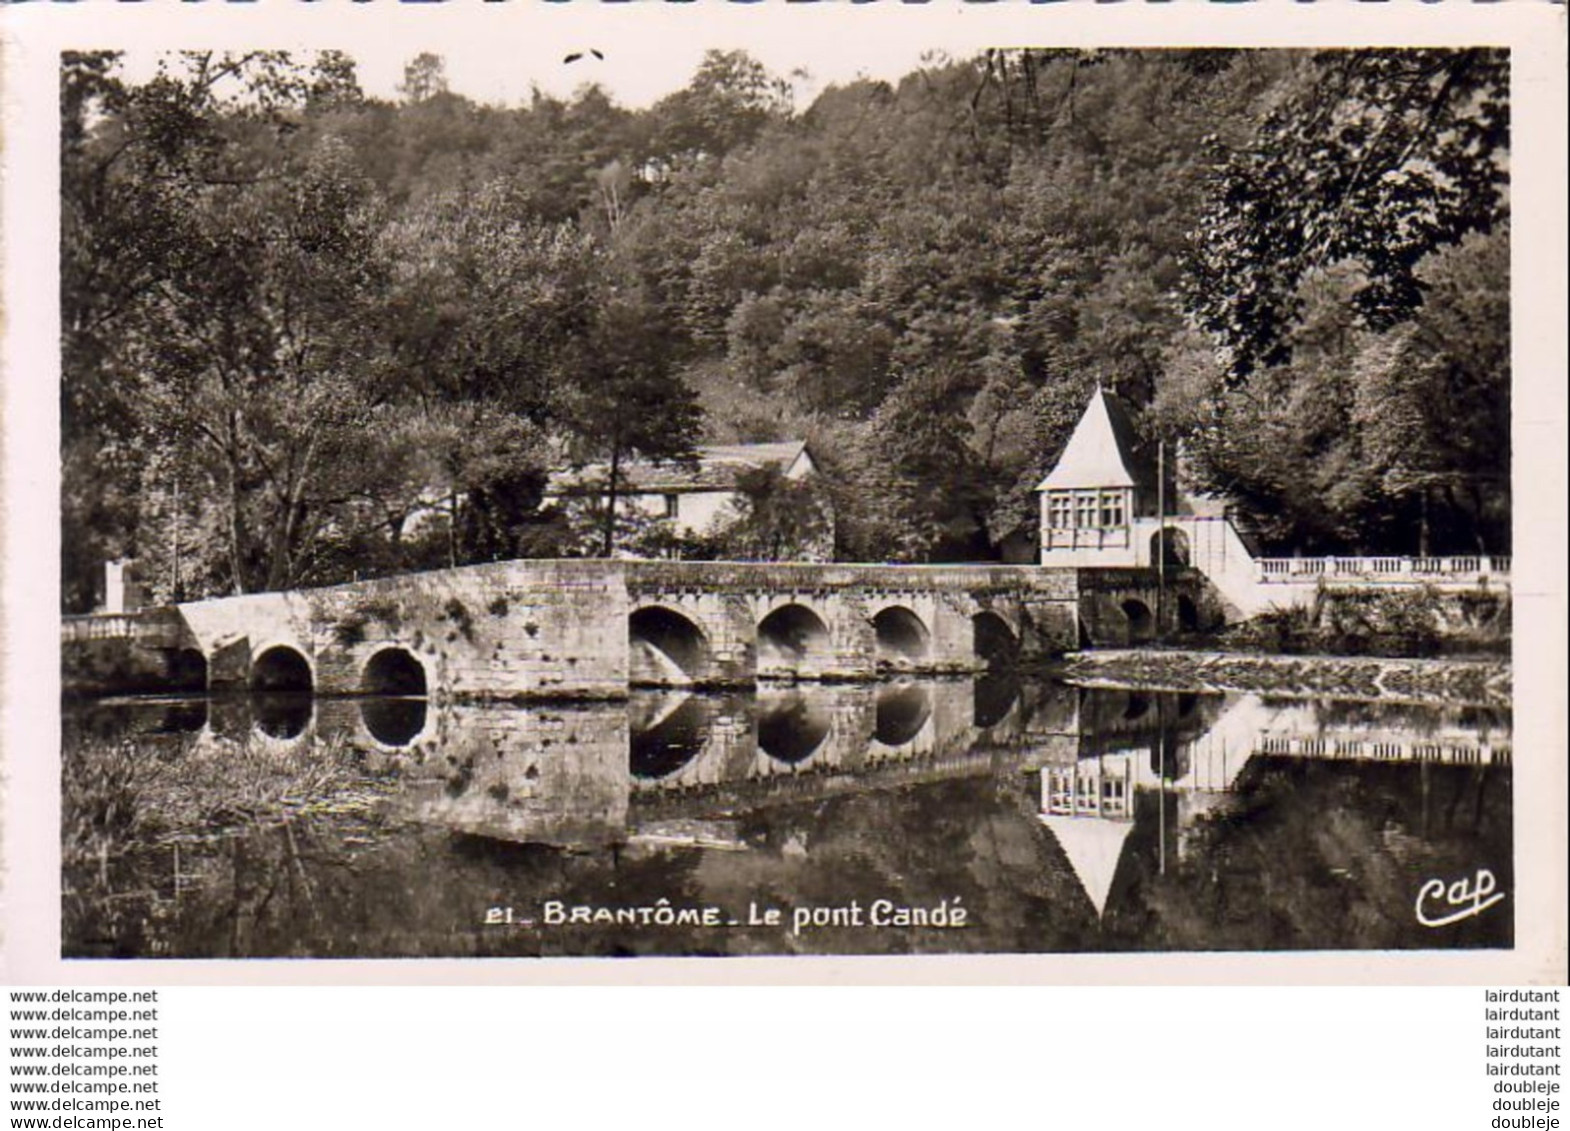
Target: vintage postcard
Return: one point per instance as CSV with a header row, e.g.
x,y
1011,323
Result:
x,y
801,486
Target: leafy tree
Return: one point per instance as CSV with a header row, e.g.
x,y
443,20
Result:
x,y
502,467
627,401
335,84
309,334
1393,441
560,155
925,473
486,304
826,352
255,362
1374,157
1437,415
424,77
147,170
729,101
778,519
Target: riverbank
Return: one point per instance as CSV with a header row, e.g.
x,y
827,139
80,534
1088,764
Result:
x,y
1400,624
1484,682
116,798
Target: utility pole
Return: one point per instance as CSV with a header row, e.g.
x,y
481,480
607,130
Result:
x,y
1161,777
176,590
1161,535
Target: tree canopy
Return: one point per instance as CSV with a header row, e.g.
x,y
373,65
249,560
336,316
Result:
x,y
309,334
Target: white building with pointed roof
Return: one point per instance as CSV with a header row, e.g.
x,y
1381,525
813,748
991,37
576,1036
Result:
x,y
1102,506
1104,481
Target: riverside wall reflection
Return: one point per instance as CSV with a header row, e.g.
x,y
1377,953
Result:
x,y
1066,818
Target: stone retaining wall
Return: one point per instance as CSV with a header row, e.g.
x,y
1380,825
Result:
x,y
1479,682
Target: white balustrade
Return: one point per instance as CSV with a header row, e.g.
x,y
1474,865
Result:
x,y
1463,569
1382,750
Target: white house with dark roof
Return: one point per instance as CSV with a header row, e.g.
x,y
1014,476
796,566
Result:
x,y
695,497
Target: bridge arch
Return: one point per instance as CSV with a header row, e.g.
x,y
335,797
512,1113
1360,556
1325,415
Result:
x,y
666,648
995,642
792,726
184,716
667,736
1170,545
902,710
394,671
790,635
902,638
1141,622
395,722
281,668
282,716
992,698
185,669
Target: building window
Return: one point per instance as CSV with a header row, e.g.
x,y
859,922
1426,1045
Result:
x,y
672,505
1085,509
1060,513
1112,508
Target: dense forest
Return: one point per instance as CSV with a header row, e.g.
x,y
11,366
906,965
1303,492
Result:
x,y
298,322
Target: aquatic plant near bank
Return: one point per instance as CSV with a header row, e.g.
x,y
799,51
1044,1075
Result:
x,y
115,798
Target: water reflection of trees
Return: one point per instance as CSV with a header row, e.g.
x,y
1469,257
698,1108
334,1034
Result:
x,y
186,716
1416,718
1314,855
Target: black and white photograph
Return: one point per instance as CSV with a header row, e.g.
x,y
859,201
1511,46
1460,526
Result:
x,y
1006,501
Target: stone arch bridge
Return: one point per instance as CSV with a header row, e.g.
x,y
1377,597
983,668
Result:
x,y
592,629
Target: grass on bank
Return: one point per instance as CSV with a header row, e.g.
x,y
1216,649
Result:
x,y
1419,623
118,796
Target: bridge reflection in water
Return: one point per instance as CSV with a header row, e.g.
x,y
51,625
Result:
x,y
1066,818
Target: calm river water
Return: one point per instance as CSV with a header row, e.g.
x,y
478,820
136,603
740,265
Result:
x,y
909,817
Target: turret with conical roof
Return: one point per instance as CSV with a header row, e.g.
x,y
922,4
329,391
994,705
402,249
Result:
x,y
1104,479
